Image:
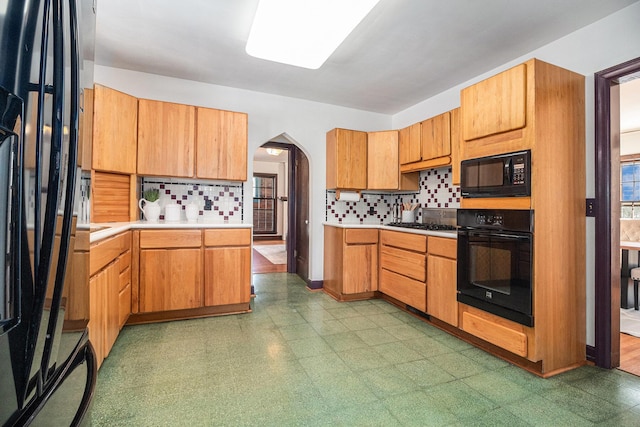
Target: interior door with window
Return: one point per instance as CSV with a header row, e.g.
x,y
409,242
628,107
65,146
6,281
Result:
x,y
264,204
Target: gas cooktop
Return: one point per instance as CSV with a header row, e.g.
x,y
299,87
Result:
x,y
422,226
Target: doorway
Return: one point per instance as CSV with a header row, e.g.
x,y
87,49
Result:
x,y
281,209
607,211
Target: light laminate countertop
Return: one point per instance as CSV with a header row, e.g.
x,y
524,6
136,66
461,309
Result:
x,y
437,233
100,231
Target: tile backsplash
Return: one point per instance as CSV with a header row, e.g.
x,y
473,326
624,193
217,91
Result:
x,y
436,191
217,202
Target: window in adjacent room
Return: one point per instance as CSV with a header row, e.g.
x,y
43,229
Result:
x,y
264,204
630,189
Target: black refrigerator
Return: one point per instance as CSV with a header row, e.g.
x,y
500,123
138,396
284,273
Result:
x,y
47,365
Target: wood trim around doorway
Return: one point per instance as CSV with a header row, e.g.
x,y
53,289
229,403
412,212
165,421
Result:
x,y
607,299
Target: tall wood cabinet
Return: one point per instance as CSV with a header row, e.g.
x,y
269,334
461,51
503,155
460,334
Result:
x,y
115,121
539,107
221,144
166,138
346,159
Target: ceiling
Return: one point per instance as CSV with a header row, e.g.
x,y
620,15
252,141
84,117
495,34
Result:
x,y
404,52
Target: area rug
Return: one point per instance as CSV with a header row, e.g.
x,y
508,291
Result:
x,y
276,254
630,322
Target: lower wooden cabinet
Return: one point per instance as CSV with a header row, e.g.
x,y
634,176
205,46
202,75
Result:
x,y
350,262
403,269
170,270
227,267
109,300
183,269
170,279
441,279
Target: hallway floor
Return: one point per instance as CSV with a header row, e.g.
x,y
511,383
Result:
x,y
303,359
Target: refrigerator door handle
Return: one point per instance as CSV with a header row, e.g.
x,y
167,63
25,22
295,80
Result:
x,y
11,113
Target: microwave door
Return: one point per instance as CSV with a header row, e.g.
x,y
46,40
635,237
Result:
x,y
492,174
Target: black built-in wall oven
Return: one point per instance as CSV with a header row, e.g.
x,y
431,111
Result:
x,y
495,265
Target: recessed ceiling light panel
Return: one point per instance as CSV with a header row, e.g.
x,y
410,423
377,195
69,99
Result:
x,y
303,33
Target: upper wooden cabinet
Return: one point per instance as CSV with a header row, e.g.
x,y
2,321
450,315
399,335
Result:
x,y
221,144
495,105
426,144
115,118
410,144
435,137
456,146
382,158
166,139
346,159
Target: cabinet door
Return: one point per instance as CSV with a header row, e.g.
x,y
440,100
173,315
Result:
x,y
346,159
227,276
360,269
456,146
97,296
111,307
115,123
170,279
166,141
410,144
221,144
436,137
382,160
441,284
494,105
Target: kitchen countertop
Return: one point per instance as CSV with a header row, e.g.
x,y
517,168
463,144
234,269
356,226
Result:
x,y
437,233
100,231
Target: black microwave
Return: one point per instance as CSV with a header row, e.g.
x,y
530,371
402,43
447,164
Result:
x,y
504,175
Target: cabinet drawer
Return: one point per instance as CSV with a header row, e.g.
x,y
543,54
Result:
x,y
125,279
412,242
404,289
360,236
105,251
406,263
164,239
227,237
495,332
444,247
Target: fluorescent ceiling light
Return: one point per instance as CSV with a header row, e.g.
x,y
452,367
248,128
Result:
x,y
303,33
274,151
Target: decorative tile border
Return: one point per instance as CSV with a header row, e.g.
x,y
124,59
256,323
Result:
x,y
217,202
436,191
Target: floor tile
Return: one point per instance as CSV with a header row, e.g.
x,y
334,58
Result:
x,y
301,358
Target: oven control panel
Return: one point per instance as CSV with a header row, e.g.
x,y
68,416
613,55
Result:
x,y
489,219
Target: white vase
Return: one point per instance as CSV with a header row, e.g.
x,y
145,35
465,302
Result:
x,y
151,210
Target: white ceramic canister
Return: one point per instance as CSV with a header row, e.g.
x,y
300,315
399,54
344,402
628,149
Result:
x,y
191,211
172,212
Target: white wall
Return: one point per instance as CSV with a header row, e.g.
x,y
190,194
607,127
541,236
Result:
x,y
630,143
305,122
608,42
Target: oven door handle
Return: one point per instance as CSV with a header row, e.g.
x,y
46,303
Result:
x,y
510,236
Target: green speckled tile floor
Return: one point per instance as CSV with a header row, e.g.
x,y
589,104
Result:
x,y
303,359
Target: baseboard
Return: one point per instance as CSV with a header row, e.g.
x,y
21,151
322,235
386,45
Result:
x,y
315,285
